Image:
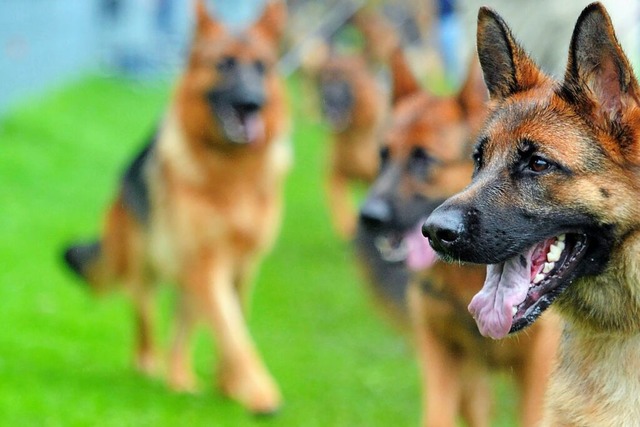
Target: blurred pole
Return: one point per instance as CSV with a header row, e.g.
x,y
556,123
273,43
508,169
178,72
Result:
x,y
328,24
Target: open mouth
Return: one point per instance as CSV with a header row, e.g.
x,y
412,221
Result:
x,y
392,247
241,124
410,247
518,290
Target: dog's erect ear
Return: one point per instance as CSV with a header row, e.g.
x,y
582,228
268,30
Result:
x,y
507,68
273,21
205,23
473,95
598,70
402,78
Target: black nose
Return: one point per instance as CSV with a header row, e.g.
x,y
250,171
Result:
x,y
247,106
443,228
375,213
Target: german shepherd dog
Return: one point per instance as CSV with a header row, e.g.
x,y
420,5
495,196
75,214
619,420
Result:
x,y
553,210
201,204
353,104
426,158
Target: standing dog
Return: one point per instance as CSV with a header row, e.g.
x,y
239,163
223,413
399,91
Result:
x,y
553,209
201,204
425,159
353,104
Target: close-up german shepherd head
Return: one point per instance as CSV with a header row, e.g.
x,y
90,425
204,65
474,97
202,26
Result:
x,y
222,95
553,205
425,158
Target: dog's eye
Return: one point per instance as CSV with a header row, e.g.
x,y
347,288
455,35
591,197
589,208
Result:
x,y
260,66
538,164
419,162
227,63
384,154
477,159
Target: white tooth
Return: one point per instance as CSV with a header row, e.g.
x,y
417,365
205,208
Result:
x,y
560,245
538,278
548,266
514,310
554,254
562,237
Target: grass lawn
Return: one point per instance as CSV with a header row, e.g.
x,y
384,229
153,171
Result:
x,y
65,356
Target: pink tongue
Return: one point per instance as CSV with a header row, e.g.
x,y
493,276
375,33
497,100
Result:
x,y
253,127
420,255
505,286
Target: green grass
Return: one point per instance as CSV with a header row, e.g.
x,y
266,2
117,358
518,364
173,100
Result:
x,y
65,356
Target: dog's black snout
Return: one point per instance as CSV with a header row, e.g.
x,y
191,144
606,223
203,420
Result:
x,y
248,106
375,213
444,228
447,236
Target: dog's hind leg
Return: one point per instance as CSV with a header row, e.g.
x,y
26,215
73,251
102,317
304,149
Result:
x,y
242,374
180,375
145,352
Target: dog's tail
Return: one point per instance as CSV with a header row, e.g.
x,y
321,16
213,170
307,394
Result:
x,y
114,256
85,259
82,258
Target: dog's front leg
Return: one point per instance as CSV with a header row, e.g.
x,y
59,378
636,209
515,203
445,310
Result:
x,y
343,213
535,372
243,375
440,370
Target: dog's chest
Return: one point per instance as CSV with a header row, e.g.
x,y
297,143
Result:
x,y
597,382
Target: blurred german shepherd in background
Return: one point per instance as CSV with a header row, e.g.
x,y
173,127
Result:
x,y
426,158
202,203
354,106
553,209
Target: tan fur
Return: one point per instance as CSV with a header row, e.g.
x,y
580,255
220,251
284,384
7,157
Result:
x,y
353,154
215,211
456,362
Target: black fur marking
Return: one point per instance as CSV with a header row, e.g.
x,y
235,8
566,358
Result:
x,y
389,279
338,101
135,189
79,256
605,193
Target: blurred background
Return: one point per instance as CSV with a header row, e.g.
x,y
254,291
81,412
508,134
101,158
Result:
x,y
45,43
83,83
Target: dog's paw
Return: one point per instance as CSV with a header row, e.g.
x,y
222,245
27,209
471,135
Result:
x,y
182,382
257,392
146,363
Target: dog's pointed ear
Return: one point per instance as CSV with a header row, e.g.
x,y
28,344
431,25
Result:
x,y
473,95
272,22
506,66
597,69
402,78
204,21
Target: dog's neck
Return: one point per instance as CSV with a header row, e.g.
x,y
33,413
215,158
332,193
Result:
x,y
607,303
596,381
